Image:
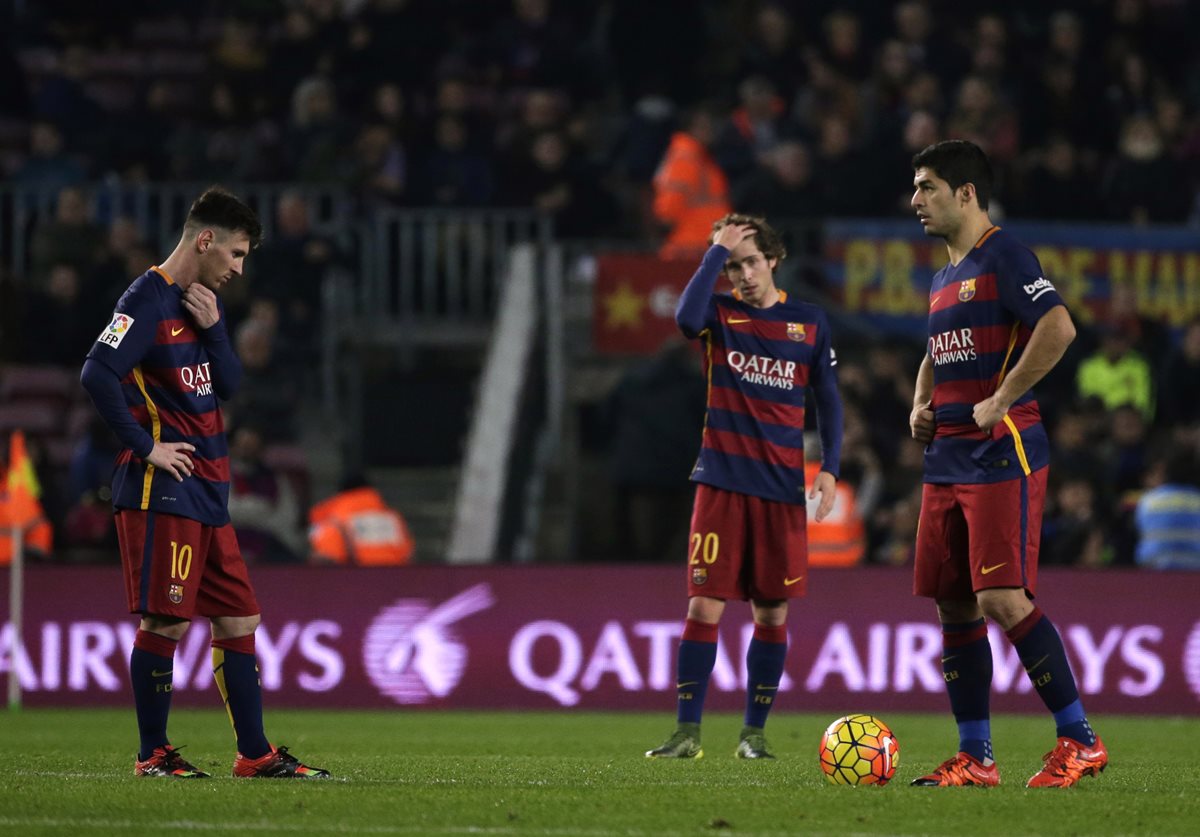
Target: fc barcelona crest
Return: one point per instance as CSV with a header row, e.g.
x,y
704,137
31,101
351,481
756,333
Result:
x,y
966,290
175,593
699,575
795,331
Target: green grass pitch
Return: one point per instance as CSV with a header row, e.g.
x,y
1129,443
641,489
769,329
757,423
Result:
x,y
572,773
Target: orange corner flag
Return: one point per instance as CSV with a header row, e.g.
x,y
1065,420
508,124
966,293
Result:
x,y
22,484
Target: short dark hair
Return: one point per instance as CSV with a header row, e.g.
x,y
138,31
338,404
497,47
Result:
x,y
768,240
958,162
218,207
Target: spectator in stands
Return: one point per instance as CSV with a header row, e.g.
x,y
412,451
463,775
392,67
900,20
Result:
x,y
317,134
381,173
690,189
70,238
653,420
1057,188
782,186
772,48
290,268
356,526
758,125
1168,515
1142,185
1179,385
454,173
1073,530
552,180
262,504
1116,374
268,395
48,167
58,306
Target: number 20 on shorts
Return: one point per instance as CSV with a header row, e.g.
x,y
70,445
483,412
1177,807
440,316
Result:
x,y
706,546
181,560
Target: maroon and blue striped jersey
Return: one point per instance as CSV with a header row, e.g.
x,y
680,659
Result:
x,y
171,373
982,313
759,363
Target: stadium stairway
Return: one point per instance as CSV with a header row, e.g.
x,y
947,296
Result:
x,y
425,497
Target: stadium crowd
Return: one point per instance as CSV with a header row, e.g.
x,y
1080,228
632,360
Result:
x,y
1090,110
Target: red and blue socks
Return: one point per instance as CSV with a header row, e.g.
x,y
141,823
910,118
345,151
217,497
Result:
x,y
697,656
1041,651
764,668
236,671
967,669
151,665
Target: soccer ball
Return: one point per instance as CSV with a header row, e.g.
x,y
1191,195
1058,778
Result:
x,y
859,750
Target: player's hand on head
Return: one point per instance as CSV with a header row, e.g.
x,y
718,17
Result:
x,y
201,303
731,235
825,485
172,457
921,422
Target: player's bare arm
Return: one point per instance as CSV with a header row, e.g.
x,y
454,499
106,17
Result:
x,y
1049,341
201,303
824,485
921,420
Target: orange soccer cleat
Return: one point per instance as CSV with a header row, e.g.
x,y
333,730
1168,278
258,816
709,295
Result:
x,y
1069,762
166,761
277,764
963,770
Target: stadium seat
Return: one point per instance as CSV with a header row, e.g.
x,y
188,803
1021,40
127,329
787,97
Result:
x,y
40,383
37,418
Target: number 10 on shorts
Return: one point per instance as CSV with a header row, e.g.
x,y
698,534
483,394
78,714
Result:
x,y
181,560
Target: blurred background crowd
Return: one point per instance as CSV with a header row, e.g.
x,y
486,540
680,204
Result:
x,y
1089,110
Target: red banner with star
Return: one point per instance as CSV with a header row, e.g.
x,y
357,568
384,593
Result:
x,y
634,307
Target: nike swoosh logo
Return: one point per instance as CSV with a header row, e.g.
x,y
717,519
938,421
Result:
x,y
689,683
732,321
948,659
986,570
1038,663
157,673
766,688
788,582
175,332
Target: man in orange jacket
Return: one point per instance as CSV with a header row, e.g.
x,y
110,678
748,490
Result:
x,y
690,190
356,526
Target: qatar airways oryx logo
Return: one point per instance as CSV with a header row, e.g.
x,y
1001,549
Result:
x,y
952,346
411,651
197,378
768,371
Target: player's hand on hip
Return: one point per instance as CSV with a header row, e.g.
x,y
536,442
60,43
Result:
x,y
826,485
201,303
921,422
173,458
988,413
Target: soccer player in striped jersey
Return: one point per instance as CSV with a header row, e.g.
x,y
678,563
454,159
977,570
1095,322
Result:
x,y
996,327
155,374
763,350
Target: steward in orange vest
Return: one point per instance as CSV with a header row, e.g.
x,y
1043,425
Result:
x,y
690,190
356,526
840,540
